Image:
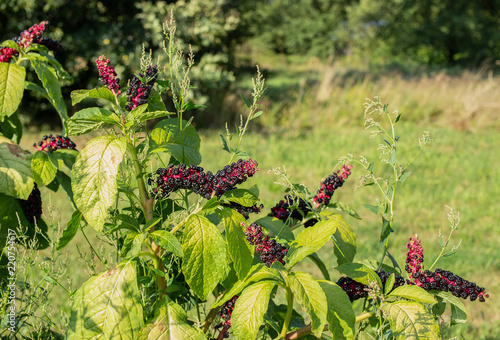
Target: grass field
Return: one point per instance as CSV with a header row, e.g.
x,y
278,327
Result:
x,y
313,116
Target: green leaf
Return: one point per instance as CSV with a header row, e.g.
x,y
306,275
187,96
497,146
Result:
x,y
340,316
359,272
167,241
411,320
373,208
204,255
101,93
414,293
11,44
224,144
148,115
94,176
51,85
183,145
404,176
11,127
15,170
65,182
61,72
320,264
247,103
44,171
170,323
11,87
63,157
313,238
311,297
71,230
371,167
249,310
392,159
10,210
90,119
256,114
132,245
241,196
240,250
389,284
155,102
107,306
345,208
386,230
458,311
276,227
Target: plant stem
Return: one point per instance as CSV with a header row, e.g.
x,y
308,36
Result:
x,y
289,311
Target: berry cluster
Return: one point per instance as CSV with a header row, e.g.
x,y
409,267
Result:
x,y
138,92
32,207
269,250
107,74
245,211
330,184
414,256
6,53
282,210
51,143
356,290
225,313
193,178
445,281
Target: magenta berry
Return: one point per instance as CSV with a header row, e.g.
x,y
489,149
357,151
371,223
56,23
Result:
x,y
107,74
330,184
31,35
138,92
52,143
6,54
32,207
270,251
414,256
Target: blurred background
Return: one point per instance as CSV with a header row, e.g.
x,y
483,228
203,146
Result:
x,y
434,61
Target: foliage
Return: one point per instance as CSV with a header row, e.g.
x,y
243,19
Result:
x,y
179,228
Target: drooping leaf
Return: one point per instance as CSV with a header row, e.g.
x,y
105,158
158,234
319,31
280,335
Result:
x,y
183,144
44,171
249,310
170,323
167,241
359,272
94,176
107,306
311,297
102,93
90,119
240,250
411,320
340,316
413,293
458,311
204,255
16,178
11,87
65,182
71,230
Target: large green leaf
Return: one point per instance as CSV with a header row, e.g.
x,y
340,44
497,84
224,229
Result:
x,y
44,171
90,119
94,178
51,85
167,241
170,323
249,310
311,297
458,311
413,293
11,127
204,255
313,238
240,250
102,93
361,273
340,316
107,306
183,145
243,197
411,320
16,178
11,87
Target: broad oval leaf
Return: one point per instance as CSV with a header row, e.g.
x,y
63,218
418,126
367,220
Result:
x,y
11,87
411,320
249,310
204,255
170,323
44,171
183,145
107,306
311,297
167,241
94,178
361,273
413,293
340,316
240,250
90,119
102,93
15,170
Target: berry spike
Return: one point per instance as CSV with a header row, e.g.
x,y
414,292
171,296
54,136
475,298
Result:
x,y
270,251
414,256
32,34
32,207
138,92
330,184
50,143
283,209
356,290
107,74
225,313
6,54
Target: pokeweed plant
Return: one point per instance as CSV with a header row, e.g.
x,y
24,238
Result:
x,y
189,263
